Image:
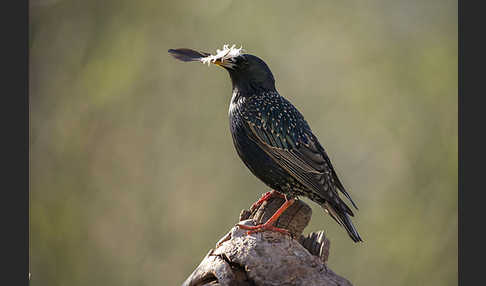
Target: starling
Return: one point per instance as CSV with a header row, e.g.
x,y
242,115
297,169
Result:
x,y
274,141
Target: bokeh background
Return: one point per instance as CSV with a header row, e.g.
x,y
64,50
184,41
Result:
x,y
133,173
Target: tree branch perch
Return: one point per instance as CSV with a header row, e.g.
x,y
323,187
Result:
x,y
269,258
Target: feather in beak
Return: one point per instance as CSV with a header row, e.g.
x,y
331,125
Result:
x,y
221,58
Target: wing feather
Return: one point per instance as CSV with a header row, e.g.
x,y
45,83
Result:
x,y
280,130
305,163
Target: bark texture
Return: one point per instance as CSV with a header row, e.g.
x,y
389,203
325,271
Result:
x,y
269,258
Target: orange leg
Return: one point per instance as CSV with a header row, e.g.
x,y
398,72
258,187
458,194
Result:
x,y
265,197
269,224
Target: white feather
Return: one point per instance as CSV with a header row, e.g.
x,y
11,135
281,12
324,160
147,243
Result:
x,y
224,54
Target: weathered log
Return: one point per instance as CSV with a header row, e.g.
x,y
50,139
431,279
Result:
x,y
269,258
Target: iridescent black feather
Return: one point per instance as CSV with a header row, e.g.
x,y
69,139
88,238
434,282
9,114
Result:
x,y
187,55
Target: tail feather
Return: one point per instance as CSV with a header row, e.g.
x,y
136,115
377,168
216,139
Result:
x,y
342,218
343,190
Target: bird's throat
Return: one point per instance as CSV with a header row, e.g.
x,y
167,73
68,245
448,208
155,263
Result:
x,y
234,100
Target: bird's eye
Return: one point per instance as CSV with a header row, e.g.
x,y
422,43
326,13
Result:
x,y
236,62
240,61
243,59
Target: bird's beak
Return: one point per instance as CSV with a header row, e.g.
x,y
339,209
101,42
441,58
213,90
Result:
x,y
219,63
224,64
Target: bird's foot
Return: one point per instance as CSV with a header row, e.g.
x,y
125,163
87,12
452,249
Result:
x,y
265,197
269,224
261,228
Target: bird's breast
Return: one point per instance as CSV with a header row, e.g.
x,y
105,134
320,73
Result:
x,y
254,158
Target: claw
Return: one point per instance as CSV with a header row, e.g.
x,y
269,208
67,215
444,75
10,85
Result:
x,y
269,224
265,197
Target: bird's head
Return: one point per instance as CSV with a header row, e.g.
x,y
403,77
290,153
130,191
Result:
x,y
247,72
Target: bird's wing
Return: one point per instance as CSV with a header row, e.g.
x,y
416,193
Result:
x,y
334,175
293,146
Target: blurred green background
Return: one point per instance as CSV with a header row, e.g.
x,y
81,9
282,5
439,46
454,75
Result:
x,y
134,176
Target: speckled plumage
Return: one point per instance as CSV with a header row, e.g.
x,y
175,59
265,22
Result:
x,y
276,143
